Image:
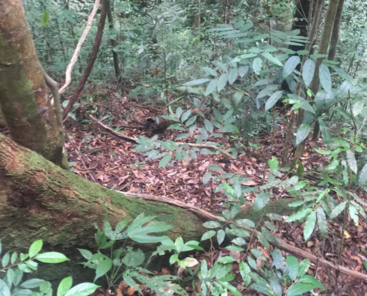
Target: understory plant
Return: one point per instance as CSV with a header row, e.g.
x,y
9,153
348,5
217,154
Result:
x,y
15,267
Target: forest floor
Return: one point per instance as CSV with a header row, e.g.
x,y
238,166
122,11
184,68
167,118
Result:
x,y
113,163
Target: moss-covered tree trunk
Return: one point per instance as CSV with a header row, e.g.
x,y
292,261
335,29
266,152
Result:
x,y
39,200
29,111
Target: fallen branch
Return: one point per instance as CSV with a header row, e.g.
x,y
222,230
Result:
x,y
75,56
277,243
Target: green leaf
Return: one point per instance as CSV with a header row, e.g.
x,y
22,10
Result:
x,y
182,136
51,257
232,75
278,259
308,72
166,159
220,236
210,71
5,260
353,214
290,65
212,224
303,267
321,222
103,267
309,225
244,271
196,82
226,259
256,65
308,279
207,235
363,176
83,289
262,288
186,115
35,248
325,77
191,120
211,86
85,253
302,133
292,267
64,286
299,215
45,19
134,258
246,223
230,128
222,81
243,71
261,200
299,288
352,162
273,100
4,289
338,209
230,288
208,126
207,177
32,283
272,59
263,240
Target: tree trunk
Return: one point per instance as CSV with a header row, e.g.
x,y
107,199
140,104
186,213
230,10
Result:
x,y
92,58
42,201
31,115
336,30
113,44
323,47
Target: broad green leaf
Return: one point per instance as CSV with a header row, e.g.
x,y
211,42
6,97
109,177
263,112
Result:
x,y
35,248
4,289
243,71
51,257
321,222
85,253
272,59
299,215
302,133
83,289
232,75
246,223
352,162
308,72
290,65
220,236
211,86
210,71
103,267
309,225
263,240
207,235
5,260
196,82
363,176
226,259
212,224
337,210
134,258
353,214
222,81
278,259
45,19
261,200
304,104
190,121
31,284
325,77
244,271
207,177
308,279
303,267
208,126
273,100
299,288
230,128
262,288
256,65
64,286
166,159
292,267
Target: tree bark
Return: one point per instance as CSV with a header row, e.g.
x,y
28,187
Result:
x,y
39,200
113,44
330,18
336,30
88,69
31,115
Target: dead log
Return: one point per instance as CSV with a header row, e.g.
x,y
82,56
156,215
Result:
x,y
39,200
